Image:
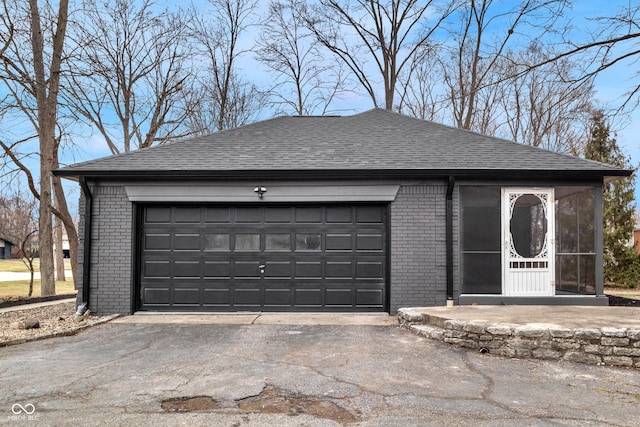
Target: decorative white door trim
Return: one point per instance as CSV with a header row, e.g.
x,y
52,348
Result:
x,y
528,243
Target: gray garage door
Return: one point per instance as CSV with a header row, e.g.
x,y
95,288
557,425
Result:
x,y
263,258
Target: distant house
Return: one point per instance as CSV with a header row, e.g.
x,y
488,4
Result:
x,y
635,240
367,213
5,248
65,245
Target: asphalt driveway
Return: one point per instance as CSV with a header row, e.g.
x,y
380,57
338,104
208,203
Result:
x,y
255,375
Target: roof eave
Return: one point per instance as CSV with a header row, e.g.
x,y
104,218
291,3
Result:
x,y
608,175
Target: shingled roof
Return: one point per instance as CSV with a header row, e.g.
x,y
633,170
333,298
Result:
x,y
373,143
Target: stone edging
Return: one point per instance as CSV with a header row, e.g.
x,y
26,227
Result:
x,y
64,333
603,346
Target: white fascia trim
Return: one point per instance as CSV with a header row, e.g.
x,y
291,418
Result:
x,y
274,193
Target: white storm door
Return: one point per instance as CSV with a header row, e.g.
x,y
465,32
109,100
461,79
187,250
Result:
x,y
528,242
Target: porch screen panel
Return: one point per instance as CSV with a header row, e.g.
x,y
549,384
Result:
x,y
575,240
480,239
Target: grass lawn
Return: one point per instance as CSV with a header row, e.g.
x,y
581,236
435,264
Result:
x,y
20,289
17,266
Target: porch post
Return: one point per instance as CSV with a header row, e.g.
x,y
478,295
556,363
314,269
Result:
x,y
449,236
599,224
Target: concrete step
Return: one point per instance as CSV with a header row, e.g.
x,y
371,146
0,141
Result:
x,y
428,331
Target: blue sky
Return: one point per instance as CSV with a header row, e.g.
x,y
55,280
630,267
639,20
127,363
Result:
x,y
611,86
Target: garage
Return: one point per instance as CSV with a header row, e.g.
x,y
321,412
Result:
x,y
275,257
364,213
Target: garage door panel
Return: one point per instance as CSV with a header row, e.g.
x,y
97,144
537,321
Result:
x,y
369,297
278,269
370,270
369,214
186,296
157,242
308,269
186,242
189,215
217,269
339,242
248,215
339,214
277,297
339,269
187,269
157,296
158,215
247,297
247,269
314,258
369,242
339,297
311,297
278,215
156,269
309,215
217,297
217,215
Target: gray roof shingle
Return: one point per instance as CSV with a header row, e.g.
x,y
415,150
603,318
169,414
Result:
x,y
376,140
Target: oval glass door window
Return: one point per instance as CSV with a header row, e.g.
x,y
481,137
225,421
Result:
x,y
528,226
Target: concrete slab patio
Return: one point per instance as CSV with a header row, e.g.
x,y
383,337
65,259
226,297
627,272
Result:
x,y
551,316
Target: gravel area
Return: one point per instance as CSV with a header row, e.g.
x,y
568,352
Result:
x,y
55,320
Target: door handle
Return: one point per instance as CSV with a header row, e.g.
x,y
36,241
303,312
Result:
x,y
262,267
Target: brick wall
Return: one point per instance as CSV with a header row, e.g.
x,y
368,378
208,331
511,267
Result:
x,y
418,246
110,281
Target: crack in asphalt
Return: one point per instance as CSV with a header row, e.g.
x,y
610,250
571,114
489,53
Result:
x,y
313,369
490,385
146,346
88,374
356,391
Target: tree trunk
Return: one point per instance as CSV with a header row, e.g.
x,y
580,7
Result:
x,y
46,94
58,249
45,235
67,221
30,281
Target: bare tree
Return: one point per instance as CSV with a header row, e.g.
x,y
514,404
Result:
x,y
223,99
615,42
129,73
482,32
305,81
46,87
420,95
31,78
8,29
377,39
18,223
542,107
